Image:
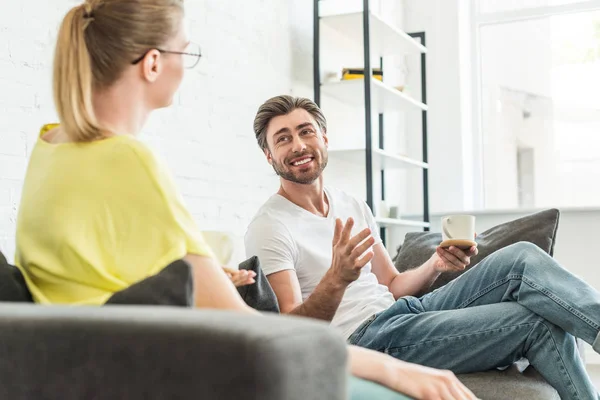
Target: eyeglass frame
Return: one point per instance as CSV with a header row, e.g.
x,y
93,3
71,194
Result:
x,y
198,56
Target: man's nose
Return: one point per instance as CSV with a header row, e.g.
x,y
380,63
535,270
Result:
x,y
298,146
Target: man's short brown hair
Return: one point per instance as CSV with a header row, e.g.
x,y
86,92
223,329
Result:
x,y
283,105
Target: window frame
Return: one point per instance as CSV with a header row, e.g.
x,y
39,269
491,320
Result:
x,y
477,21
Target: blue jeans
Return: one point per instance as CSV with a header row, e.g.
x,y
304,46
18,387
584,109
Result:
x,y
517,303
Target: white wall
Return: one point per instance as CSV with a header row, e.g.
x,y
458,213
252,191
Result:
x,y
206,137
252,51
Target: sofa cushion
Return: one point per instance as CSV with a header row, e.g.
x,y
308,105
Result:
x,y
173,286
259,295
12,283
509,384
539,228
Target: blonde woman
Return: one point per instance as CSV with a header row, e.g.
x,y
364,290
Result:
x,y
99,212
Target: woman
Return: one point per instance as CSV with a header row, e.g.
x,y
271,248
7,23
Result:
x,y
99,212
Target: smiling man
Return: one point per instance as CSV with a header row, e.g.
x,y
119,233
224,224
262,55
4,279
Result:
x,y
518,302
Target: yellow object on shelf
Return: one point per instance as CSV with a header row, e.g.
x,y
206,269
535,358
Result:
x,y
359,73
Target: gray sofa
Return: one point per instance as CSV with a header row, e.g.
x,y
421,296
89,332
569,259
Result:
x,y
122,352
166,352
510,384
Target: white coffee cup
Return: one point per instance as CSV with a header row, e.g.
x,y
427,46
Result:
x,y
458,228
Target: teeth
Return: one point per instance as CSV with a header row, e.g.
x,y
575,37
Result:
x,y
302,162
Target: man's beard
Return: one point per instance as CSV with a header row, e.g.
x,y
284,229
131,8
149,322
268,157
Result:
x,y
303,178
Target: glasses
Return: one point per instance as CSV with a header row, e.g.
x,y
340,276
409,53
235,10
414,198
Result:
x,y
191,55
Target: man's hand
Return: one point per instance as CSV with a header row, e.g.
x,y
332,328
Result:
x,y
347,261
452,258
240,277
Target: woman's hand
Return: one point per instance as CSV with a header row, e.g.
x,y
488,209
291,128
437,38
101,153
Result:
x,y
240,277
427,383
413,380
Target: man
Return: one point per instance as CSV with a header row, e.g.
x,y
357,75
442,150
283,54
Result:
x,y
516,303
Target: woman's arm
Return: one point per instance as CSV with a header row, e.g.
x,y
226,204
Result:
x,y
410,379
240,277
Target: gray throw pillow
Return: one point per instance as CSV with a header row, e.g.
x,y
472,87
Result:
x,y
173,286
12,283
259,295
539,228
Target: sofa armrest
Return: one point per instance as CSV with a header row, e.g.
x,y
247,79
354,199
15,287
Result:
x,y
123,352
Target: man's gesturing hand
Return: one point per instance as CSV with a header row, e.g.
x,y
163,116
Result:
x,y
347,262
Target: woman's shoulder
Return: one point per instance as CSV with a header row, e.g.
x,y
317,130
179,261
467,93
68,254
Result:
x,y
53,134
49,133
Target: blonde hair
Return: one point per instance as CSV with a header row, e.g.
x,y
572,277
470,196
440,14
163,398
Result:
x,y
97,40
283,105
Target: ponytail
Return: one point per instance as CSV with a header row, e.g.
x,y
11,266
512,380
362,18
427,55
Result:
x,y
73,78
97,41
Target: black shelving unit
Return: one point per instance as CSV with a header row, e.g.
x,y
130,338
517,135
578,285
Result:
x,y
369,111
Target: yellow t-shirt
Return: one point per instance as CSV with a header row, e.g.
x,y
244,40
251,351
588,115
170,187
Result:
x,y
96,218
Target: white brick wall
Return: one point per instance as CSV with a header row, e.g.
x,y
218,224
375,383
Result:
x,y
206,137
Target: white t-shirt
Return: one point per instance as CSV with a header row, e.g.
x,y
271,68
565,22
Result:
x,y
285,236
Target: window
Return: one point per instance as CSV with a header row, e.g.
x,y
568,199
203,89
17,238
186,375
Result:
x,y
491,6
540,108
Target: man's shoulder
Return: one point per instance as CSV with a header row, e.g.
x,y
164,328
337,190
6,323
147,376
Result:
x,y
343,198
338,193
269,215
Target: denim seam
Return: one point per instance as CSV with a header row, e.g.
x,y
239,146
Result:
x,y
574,388
357,335
560,302
510,327
524,279
482,292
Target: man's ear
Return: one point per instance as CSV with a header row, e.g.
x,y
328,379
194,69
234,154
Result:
x,y
152,66
268,155
325,138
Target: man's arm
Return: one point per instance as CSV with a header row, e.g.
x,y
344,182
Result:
x,y
416,281
345,268
321,304
409,283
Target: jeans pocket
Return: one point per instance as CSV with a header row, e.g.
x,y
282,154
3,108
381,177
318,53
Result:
x,y
414,304
360,331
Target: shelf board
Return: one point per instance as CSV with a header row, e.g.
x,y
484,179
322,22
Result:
x,y
381,159
384,98
385,38
389,222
